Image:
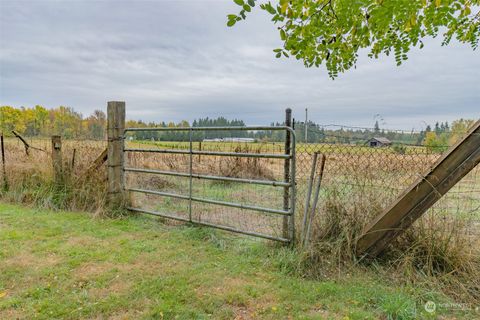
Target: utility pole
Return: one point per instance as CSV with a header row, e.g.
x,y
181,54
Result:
x,y
306,125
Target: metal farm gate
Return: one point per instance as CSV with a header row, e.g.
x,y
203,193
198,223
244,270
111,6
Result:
x,y
195,180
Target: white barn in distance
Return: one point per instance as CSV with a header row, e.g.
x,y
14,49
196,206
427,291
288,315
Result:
x,y
244,140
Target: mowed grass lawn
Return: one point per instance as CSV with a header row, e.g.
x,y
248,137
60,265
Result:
x,y
63,265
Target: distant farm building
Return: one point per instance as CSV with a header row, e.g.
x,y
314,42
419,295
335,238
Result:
x,y
379,142
245,140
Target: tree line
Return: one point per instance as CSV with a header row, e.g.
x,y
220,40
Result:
x,y
41,122
184,135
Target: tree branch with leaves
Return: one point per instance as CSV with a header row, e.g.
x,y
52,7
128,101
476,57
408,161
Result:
x,y
332,32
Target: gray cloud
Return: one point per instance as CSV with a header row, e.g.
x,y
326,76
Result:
x,y
173,60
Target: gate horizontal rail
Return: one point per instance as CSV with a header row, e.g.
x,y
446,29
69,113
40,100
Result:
x,y
288,183
246,128
213,153
209,177
231,229
222,203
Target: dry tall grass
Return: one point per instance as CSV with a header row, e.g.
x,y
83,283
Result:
x,y
30,177
442,249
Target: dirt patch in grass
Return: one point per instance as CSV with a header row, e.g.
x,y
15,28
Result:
x,y
31,261
243,313
91,270
234,283
82,241
122,315
118,286
11,314
324,314
27,265
235,293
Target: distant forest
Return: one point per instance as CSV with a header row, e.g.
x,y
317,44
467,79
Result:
x,y
42,122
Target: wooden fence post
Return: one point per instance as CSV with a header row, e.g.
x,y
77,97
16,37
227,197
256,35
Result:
x,y
73,159
57,160
199,149
4,170
459,160
115,131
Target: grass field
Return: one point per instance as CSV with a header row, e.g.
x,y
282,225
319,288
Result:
x,y
63,265
439,253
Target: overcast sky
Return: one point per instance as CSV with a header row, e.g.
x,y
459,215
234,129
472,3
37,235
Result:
x,y
174,60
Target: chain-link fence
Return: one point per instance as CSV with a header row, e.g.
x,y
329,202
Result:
x,y
361,180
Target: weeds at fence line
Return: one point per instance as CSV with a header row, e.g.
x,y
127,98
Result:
x,y
440,250
31,177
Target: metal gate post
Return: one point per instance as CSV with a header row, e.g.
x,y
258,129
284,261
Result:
x,y
293,187
286,191
191,177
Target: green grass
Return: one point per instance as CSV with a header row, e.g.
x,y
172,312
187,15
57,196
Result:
x,y
64,265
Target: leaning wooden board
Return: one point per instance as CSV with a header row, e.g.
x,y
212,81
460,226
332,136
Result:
x,y
422,194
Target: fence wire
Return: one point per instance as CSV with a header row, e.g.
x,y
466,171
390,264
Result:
x,y
356,178
77,152
361,181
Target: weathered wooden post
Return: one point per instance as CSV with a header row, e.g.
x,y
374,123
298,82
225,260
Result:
x,y
57,160
199,149
115,131
73,159
286,190
4,170
457,162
